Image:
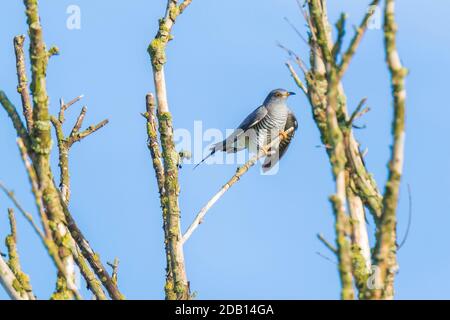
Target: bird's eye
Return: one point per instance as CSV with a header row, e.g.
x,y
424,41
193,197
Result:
x,y
278,94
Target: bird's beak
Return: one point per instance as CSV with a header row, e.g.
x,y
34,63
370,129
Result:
x,y
291,94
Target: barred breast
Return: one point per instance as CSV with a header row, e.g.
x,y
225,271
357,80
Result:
x,y
265,130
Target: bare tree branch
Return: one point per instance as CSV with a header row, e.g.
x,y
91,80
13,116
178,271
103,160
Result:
x,y
356,40
337,152
14,261
15,118
49,243
92,257
385,250
76,137
54,204
153,146
22,87
327,244
64,106
115,269
76,128
42,141
358,113
235,178
9,282
340,26
178,286
297,79
64,147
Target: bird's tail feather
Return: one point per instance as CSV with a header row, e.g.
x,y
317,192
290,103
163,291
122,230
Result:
x,y
213,150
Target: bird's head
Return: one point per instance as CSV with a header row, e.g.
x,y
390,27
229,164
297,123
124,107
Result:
x,y
278,96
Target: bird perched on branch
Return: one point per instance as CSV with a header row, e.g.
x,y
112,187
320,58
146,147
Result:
x,y
266,122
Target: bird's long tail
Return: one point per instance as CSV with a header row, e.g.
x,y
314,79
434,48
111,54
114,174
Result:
x,y
209,155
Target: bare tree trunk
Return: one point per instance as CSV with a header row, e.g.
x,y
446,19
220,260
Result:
x,y
177,286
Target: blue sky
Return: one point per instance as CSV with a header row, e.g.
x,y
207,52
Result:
x,y
259,241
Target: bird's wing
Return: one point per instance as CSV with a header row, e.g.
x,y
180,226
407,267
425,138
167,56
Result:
x,y
253,118
230,144
272,159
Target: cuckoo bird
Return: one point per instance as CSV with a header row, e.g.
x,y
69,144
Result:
x,y
269,120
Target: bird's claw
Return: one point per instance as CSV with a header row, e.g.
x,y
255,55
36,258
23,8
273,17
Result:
x,y
283,135
265,149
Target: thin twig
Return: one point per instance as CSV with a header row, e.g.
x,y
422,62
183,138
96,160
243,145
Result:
x,y
32,176
115,269
22,86
297,59
326,258
27,215
14,261
326,243
64,106
358,113
296,30
297,79
76,128
90,130
15,118
184,5
356,40
73,101
340,26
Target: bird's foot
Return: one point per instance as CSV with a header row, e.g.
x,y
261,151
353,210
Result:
x,y
266,150
283,135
